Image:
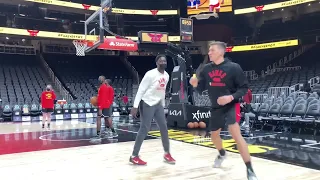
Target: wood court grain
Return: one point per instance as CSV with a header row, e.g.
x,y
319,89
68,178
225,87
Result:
x,y
110,161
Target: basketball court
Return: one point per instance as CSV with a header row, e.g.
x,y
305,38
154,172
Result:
x,y
68,151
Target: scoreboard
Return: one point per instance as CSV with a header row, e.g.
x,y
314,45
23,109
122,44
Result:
x,y
153,37
186,30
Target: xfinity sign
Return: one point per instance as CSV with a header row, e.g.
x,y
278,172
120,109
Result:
x,y
175,113
201,115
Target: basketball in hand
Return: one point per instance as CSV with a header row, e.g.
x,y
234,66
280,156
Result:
x,y
94,100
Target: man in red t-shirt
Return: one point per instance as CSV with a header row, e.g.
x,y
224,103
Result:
x,y
247,110
104,103
48,98
113,133
247,98
125,99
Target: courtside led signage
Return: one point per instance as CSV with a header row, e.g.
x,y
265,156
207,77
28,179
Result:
x,y
114,10
271,6
58,35
153,37
270,45
117,45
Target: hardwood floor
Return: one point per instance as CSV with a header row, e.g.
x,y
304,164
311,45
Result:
x,y
110,161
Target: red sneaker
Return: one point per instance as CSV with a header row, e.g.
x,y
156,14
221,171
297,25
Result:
x,y
168,159
137,161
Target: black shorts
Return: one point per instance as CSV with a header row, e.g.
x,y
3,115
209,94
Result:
x,y
111,111
224,116
105,113
46,110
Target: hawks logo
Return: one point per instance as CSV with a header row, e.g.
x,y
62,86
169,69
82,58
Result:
x,y
155,37
229,49
154,12
217,76
162,84
86,6
259,8
48,96
33,32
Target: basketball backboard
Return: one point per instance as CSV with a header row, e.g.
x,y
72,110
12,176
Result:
x,y
95,25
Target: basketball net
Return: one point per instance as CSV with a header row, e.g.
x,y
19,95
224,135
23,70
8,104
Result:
x,y
81,46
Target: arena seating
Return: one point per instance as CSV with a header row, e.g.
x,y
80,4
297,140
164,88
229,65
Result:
x,y
80,75
22,81
309,70
300,111
276,29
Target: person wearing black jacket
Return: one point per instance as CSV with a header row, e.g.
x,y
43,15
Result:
x,y
226,84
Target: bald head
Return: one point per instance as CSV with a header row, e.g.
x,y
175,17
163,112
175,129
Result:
x,y
49,87
108,81
102,79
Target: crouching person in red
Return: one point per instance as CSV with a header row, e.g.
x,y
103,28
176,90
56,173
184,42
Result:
x,y
48,99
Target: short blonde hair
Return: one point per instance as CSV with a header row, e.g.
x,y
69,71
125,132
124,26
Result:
x,y
220,44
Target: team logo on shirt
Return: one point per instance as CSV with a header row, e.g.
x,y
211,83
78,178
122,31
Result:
x,y
48,96
217,77
162,84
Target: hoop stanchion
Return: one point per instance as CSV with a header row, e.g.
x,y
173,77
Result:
x,y
81,46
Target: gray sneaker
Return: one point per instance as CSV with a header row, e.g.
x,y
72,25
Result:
x,y
108,133
218,161
251,175
115,134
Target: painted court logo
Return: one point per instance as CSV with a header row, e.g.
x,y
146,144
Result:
x,y
201,139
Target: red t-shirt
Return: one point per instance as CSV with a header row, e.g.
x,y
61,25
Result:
x,y
111,94
47,99
248,97
125,99
105,96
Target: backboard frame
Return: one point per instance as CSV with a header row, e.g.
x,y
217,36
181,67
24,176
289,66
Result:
x,y
100,13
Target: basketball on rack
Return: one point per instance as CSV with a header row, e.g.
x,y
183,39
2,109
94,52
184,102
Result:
x,y
94,100
196,125
202,125
190,125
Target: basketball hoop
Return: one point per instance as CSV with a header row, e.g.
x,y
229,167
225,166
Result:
x,y
81,46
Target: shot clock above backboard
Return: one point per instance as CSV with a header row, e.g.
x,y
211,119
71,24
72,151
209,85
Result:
x,y
186,30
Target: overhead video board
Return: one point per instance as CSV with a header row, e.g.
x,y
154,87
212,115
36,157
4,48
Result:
x,y
203,6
